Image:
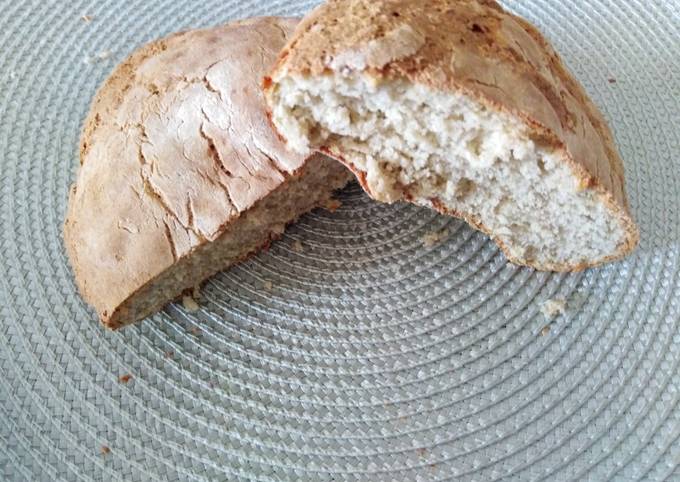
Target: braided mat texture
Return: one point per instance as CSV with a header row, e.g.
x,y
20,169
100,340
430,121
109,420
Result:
x,y
358,347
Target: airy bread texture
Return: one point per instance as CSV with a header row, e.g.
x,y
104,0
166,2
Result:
x,y
181,174
463,107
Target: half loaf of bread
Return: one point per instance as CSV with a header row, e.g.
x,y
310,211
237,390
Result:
x,y
181,174
463,107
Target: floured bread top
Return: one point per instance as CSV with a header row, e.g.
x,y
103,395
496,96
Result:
x,y
176,146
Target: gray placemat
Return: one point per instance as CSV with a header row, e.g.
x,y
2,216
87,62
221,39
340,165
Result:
x,y
370,353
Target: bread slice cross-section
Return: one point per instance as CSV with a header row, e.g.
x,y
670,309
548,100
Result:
x,y
463,107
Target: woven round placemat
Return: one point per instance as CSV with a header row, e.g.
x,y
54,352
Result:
x,y
361,346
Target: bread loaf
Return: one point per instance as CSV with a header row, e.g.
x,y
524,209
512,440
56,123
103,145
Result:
x,y
181,174
463,107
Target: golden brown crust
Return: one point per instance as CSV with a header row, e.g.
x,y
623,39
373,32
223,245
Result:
x,y
176,146
476,48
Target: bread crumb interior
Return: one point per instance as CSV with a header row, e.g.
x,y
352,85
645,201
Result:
x,y
413,142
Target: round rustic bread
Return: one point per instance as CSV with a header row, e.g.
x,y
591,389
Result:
x,y
181,174
463,107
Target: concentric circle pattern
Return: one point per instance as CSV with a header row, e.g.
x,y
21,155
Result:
x,y
354,349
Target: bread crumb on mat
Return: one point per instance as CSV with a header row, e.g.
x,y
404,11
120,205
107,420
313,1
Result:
x,y
545,331
554,307
105,450
298,247
125,378
87,18
435,237
268,285
190,304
